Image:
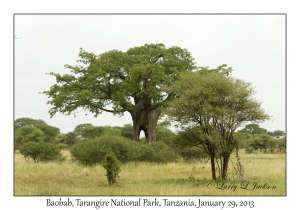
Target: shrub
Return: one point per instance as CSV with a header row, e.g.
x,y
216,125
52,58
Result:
x,y
27,134
92,151
264,143
111,164
61,146
282,145
192,153
40,151
162,153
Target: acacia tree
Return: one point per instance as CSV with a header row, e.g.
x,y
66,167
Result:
x,y
253,129
25,121
210,106
130,81
79,128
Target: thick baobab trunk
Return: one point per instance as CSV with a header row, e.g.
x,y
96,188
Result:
x,y
145,120
151,132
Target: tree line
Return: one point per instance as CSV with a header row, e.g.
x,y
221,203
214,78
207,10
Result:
x,y
32,134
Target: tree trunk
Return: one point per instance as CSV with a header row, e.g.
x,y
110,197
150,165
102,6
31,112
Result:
x,y
213,166
151,132
225,166
144,119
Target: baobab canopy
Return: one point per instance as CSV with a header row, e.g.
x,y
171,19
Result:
x,y
131,81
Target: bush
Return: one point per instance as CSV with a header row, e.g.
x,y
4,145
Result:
x,y
40,151
192,153
27,134
162,153
111,164
61,146
263,143
92,151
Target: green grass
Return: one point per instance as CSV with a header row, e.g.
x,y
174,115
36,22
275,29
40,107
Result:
x,y
70,178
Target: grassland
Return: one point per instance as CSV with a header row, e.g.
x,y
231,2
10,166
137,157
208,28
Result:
x,y
265,174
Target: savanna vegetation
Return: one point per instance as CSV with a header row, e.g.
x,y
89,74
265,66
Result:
x,y
161,168
148,178
218,143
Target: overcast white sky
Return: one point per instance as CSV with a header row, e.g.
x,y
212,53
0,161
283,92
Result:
x,y
253,45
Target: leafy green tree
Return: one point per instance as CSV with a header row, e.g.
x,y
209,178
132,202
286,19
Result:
x,y
60,138
253,129
27,134
70,139
40,151
279,134
282,144
109,130
90,132
25,121
210,106
264,143
78,129
130,81
61,146
49,131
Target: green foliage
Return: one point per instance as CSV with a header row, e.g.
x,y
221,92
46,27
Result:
x,y
253,129
215,104
264,143
91,132
114,131
91,151
134,81
40,151
241,139
163,134
277,134
69,139
115,77
31,130
61,146
127,131
193,153
158,152
112,166
25,121
60,138
49,131
214,97
27,134
78,129
282,145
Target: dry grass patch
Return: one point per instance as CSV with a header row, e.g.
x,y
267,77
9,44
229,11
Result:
x,y
70,178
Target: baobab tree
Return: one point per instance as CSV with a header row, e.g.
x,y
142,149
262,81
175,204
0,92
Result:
x,y
131,81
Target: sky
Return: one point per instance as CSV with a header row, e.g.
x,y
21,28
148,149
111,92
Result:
x,y
253,45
